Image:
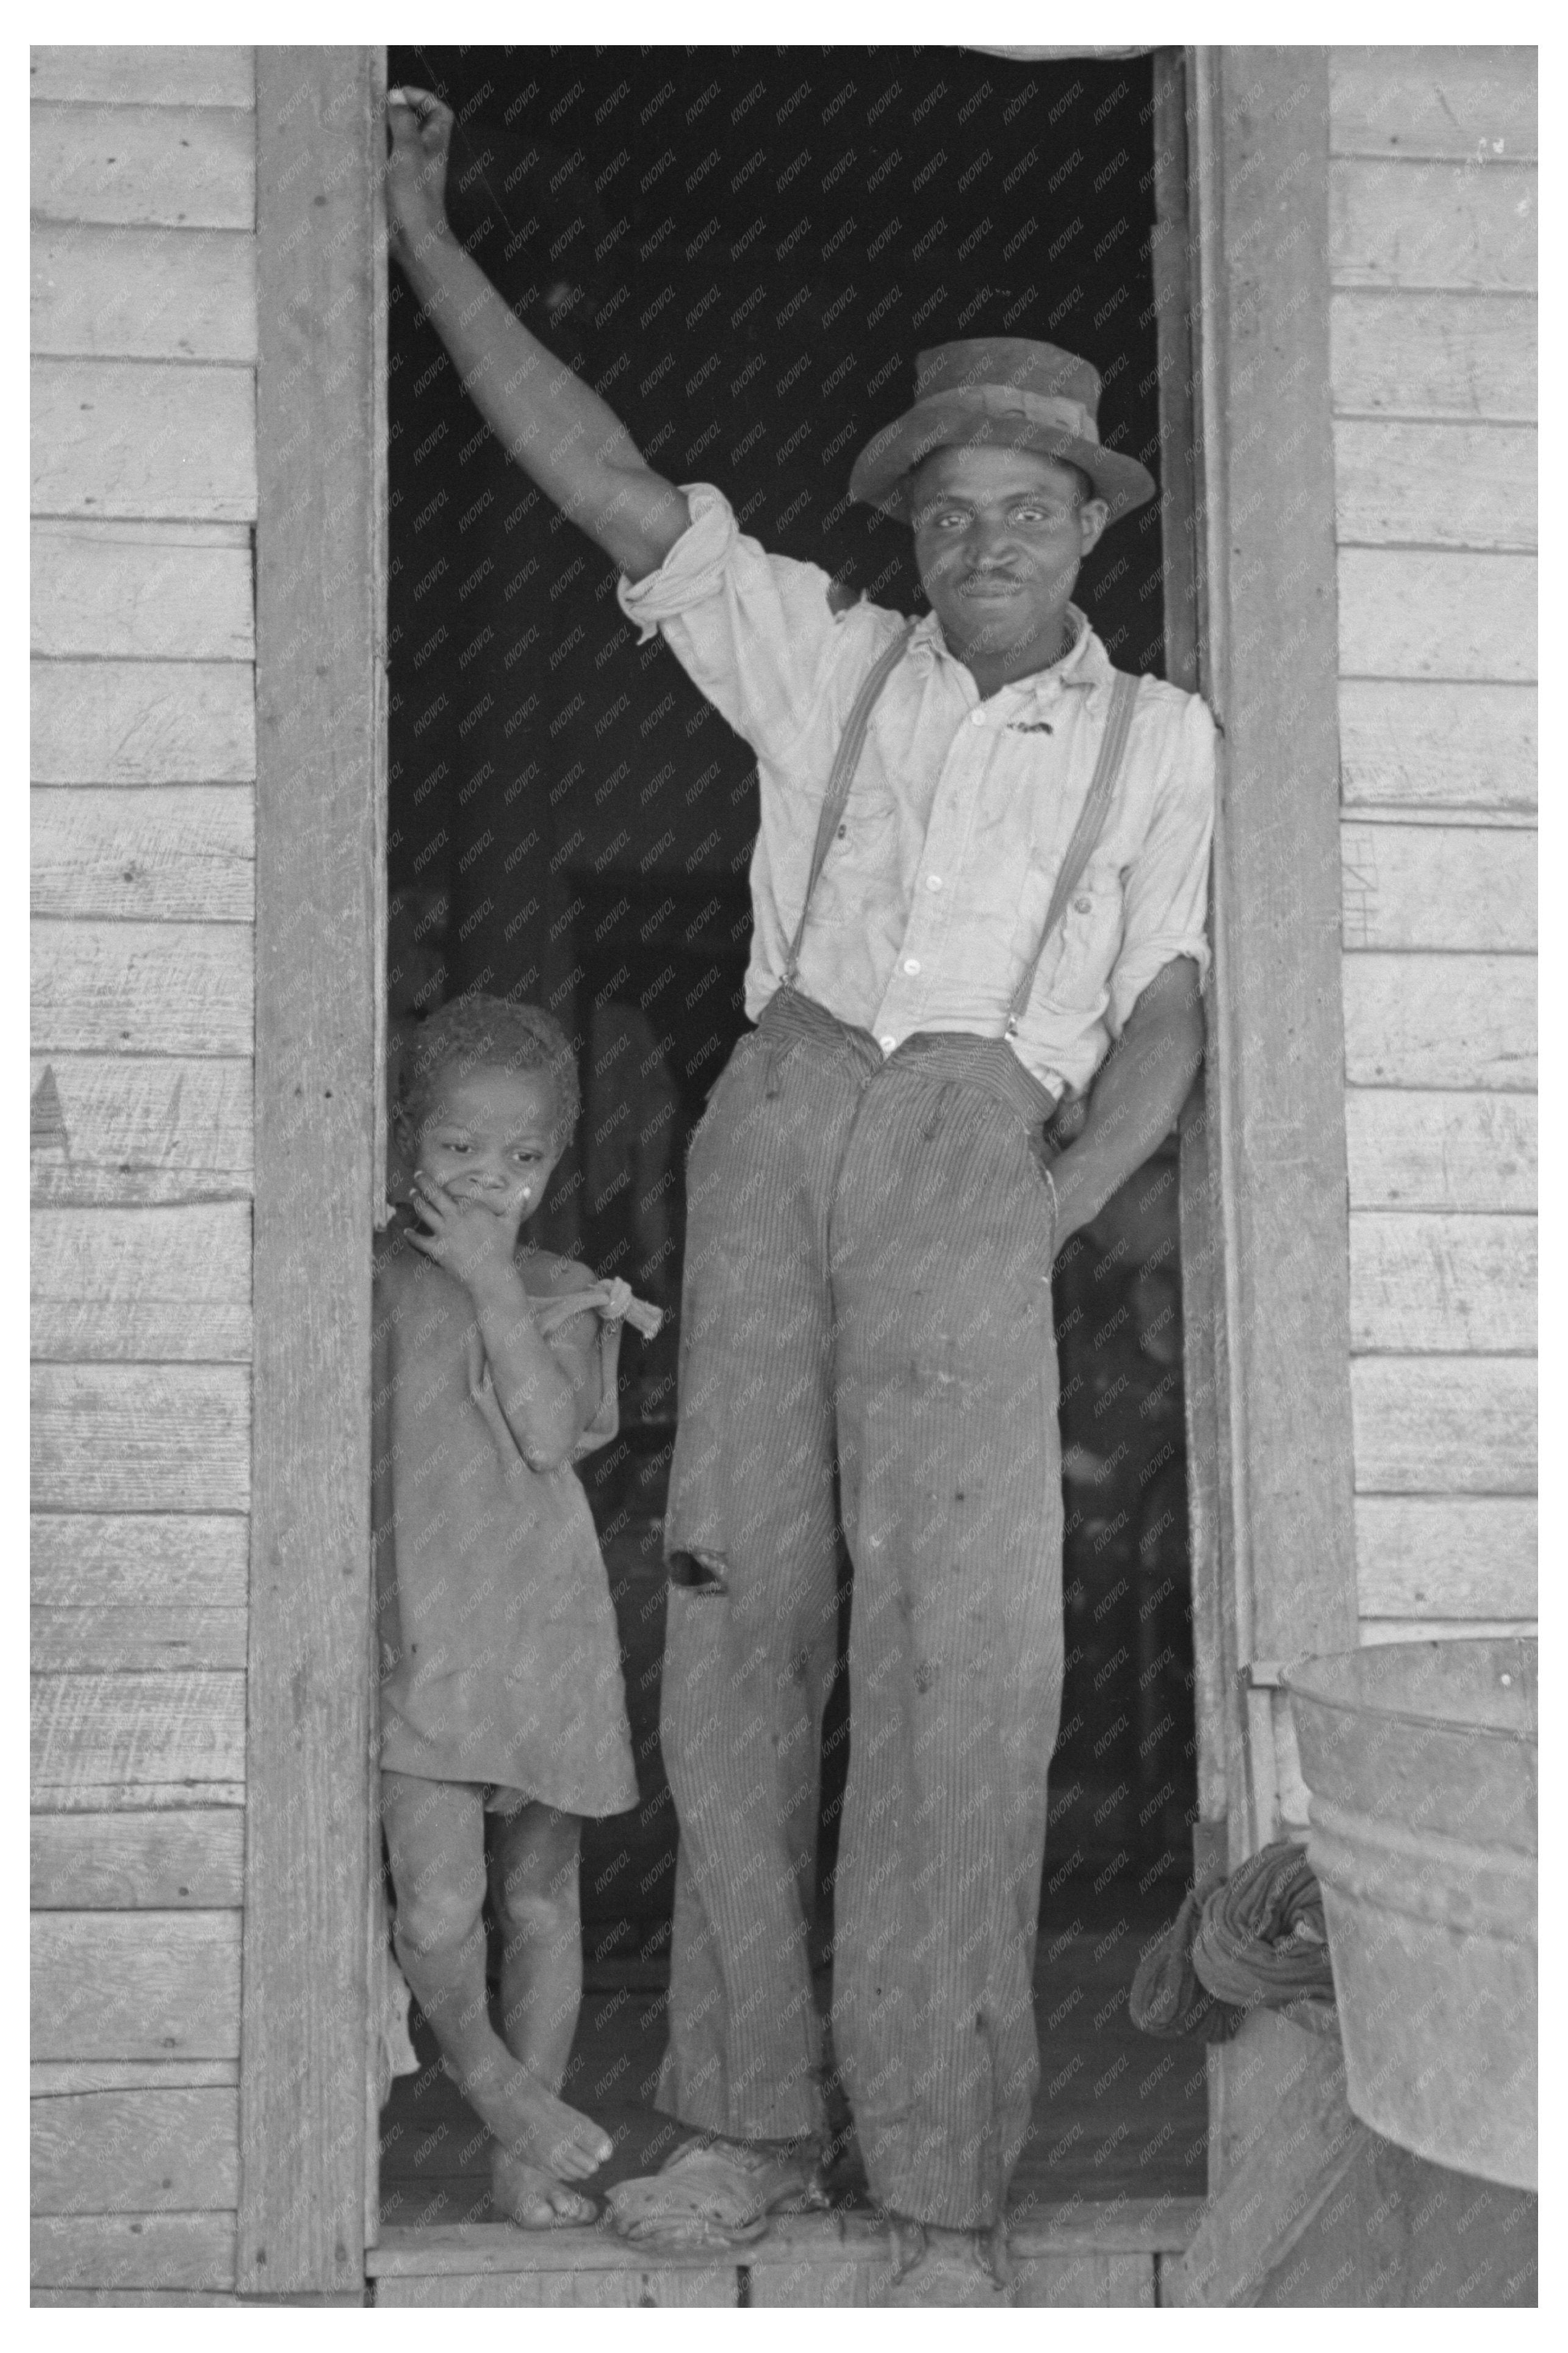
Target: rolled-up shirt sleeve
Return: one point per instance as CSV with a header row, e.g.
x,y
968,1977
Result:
x,y
1165,902
752,630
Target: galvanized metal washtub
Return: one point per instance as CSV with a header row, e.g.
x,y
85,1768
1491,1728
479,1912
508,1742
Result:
x,y
1421,1759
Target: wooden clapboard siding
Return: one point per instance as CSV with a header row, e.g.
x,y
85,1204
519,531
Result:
x,y
1454,1283
1414,745
1445,1425
143,437
144,335
1413,1150
1423,1020
55,2078
143,723
110,1640
140,1437
1433,224
1444,887
155,1129
1455,1557
1462,103
1434,485
143,293
136,1730
143,591
109,2258
148,76
125,1863
135,1985
173,2150
1418,613
106,1560
150,166
1433,344
142,988
180,854
1434,355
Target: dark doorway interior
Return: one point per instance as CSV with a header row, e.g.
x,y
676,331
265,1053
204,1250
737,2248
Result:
x,y
742,251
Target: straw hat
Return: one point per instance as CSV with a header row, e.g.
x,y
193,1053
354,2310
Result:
x,y
1001,392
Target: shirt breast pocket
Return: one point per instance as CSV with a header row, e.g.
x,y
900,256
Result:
x,y
1076,969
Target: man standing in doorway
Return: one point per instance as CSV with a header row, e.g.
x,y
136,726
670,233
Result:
x,y
979,889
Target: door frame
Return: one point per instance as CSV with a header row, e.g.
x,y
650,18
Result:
x,y
1242,135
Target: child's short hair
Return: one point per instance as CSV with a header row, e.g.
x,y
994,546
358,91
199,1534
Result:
x,y
476,1032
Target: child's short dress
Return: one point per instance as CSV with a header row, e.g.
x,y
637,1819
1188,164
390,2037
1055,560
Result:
x,y
500,1662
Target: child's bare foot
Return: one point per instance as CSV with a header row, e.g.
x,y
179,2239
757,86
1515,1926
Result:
x,y
531,2123
535,2201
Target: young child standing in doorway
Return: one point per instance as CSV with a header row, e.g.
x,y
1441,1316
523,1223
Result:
x,y
495,1370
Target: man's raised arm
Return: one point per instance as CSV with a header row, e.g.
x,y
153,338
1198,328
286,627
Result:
x,y
559,431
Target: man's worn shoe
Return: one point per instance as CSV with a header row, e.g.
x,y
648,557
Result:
x,y
714,2192
938,2268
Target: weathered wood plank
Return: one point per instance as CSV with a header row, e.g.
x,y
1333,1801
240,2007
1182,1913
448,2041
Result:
x,y
1442,1282
150,166
1421,1020
102,1560
1471,356
140,1437
136,1796
1461,1152
1439,886
135,2152
54,2079
1408,614
1430,746
1274,1085
143,293
136,1984
1444,1425
143,591
180,853
153,1728
183,853
142,988
157,75
1464,1556
148,2259
109,1641
1398,482
143,723
1432,225
143,437
124,1862
574,2290
137,2299
1471,103
116,1129
1373,1632
320,874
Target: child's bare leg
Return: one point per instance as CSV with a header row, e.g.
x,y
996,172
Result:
x,y
435,1831
542,1970
534,1886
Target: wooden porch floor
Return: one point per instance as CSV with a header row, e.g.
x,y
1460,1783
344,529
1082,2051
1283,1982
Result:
x,y
1112,2179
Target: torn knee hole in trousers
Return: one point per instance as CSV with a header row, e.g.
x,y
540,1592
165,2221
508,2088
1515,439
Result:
x,y
700,1572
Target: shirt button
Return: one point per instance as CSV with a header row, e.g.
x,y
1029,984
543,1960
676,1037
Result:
x,y
977,719
933,881
889,1044
1083,905
911,964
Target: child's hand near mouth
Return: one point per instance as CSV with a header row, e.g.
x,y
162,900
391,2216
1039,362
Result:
x,y
473,1240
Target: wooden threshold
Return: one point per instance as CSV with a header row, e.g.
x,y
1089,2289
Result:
x,y
1078,2252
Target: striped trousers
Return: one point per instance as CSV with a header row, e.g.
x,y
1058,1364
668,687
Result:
x,y
866,1334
